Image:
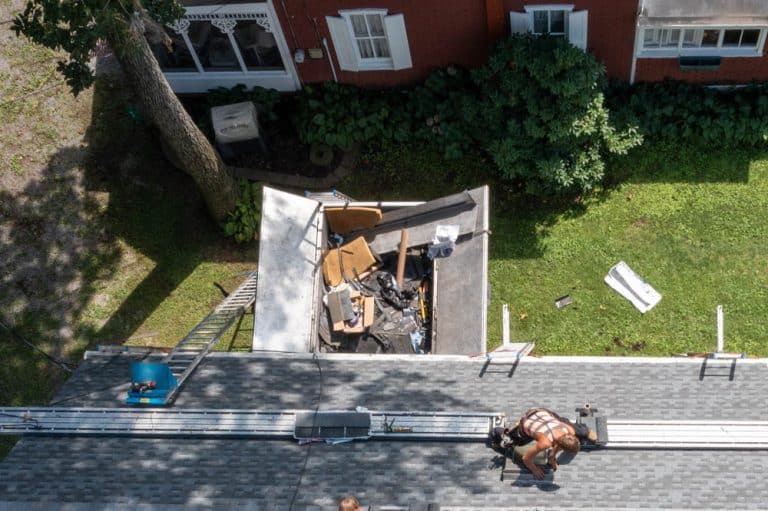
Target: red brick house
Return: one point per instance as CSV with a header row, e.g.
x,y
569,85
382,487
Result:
x,y
283,44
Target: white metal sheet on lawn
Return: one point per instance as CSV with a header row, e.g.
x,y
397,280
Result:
x,y
289,249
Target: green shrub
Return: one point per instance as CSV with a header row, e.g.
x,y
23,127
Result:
x,y
342,116
243,222
541,115
439,111
683,112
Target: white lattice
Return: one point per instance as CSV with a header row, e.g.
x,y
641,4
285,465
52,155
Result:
x,y
261,18
227,26
180,26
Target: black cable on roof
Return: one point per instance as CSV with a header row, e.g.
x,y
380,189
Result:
x,y
314,419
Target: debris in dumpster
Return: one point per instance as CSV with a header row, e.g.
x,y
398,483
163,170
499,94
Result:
x,y
563,301
352,218
340,264
393,319
401,257
444,241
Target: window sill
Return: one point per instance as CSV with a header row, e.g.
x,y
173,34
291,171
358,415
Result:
x,y
376,66
702,52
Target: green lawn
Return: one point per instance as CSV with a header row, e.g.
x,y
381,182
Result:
x,y
690,221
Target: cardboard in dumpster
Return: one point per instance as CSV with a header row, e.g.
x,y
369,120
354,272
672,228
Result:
x,y
455,306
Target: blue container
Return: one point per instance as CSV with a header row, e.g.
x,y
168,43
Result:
x,y
143,372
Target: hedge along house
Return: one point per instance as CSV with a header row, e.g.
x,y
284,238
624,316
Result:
x,y
283,44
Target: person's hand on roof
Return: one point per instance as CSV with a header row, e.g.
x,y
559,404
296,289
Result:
x,y
537,472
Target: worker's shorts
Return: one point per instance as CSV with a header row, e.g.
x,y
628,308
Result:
x,y
541,458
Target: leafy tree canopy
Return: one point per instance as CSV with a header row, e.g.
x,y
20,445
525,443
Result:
x,y
77,27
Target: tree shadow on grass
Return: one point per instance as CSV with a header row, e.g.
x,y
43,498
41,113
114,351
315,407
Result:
x,y
665,162
153,208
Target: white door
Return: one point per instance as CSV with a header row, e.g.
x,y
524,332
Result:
x,y
225,45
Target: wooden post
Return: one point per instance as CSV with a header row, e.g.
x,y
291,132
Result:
x,y
401,257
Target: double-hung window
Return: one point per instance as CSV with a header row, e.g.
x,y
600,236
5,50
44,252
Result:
x,y
673,41
555,20
369,39
550,21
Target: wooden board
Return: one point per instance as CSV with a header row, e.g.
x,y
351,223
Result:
x,y
344,220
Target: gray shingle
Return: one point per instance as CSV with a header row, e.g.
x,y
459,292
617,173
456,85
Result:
x,y
92,473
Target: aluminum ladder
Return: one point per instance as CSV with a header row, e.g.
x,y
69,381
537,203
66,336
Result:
x,y
187,355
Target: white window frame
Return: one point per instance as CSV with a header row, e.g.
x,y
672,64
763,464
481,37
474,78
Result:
x,y
347,50
576,23
201,80
566,8
368,63
710,51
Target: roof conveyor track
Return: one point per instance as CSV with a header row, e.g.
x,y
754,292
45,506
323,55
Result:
x,y
626,434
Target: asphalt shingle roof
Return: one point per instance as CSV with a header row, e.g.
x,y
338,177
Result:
x,y
94,473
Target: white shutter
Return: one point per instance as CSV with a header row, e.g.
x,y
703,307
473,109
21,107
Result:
x,y
342,43
577,29
398,41
519,22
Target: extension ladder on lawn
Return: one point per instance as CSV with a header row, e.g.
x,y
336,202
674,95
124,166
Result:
x,y
187,355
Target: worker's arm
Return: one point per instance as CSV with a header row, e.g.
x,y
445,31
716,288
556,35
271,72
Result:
x,y
542,442
553,457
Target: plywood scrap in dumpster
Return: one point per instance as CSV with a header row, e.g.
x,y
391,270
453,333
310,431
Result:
x,y
354,257
352,218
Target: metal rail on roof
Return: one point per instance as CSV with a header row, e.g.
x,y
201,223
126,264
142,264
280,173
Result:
x,y
622,434
163,422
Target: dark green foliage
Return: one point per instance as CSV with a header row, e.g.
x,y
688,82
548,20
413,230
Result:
x,y
682,112
342,116
541,115
77,27
536,108
441,109
243,223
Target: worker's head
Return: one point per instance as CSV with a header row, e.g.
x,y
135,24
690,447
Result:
x,y
569,443
349,504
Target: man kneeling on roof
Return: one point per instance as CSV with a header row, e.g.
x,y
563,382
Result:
x,y
543,431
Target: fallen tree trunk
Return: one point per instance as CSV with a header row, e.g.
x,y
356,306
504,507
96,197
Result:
x,y
189,149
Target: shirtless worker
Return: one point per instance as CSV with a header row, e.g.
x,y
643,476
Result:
x,y
550,431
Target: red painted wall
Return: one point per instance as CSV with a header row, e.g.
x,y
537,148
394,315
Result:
x,y
445,32
610,30
732,71
440,33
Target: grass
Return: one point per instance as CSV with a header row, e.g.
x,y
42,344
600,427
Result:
x,y
689,220
102,241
